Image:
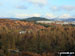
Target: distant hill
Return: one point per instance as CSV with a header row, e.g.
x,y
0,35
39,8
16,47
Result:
x,y
11,18
69,19
36,19
63,19
42,19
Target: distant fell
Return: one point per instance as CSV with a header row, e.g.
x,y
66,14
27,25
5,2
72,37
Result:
x,y
36,19
64,19
69,19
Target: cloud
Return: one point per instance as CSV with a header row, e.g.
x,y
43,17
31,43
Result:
x,y
0,4
38,2
21,15
50,16
36,15
4,16
54,8
65,16
27,15
47,15
21,7
66,8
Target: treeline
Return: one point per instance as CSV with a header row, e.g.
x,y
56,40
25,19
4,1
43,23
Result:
x,y
42,42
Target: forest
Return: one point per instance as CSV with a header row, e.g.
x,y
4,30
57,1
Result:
x,y
43,42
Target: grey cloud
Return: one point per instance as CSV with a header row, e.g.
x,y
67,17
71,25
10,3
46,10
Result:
x,y
69,8
0,4
21,7
40,3
66,8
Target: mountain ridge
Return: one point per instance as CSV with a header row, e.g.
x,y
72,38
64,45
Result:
x,y
42,19
36,19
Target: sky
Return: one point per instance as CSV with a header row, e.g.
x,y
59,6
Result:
x,y
37,8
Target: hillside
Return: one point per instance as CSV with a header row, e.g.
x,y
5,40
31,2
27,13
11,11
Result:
x,y
7,24
36,19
